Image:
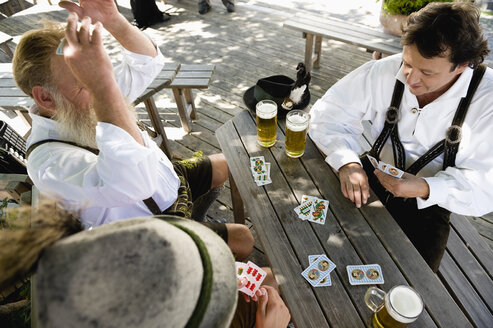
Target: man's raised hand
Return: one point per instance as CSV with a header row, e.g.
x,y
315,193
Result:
x,y
85,55
104,11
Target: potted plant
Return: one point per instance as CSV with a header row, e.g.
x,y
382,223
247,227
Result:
x,y
395,12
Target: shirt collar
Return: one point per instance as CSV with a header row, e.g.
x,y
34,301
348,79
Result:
x,y
457,90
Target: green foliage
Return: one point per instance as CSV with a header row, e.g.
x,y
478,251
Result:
x,y
406,7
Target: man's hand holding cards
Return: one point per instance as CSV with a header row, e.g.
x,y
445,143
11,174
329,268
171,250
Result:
x,y
254,275
385,168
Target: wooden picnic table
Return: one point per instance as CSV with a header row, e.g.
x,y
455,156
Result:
x,y
350,236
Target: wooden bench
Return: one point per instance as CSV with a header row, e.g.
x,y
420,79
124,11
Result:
x,y
180,78
4,40
466,269
314,28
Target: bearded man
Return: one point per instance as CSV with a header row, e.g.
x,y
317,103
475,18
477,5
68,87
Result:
x,y
85,149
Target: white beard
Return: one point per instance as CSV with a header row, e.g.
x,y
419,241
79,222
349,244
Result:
x,y
77,125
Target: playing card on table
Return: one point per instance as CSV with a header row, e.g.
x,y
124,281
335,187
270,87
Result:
x,y
257,165
368,274
255,275
317,271
264,178
318,212
304,209
325,281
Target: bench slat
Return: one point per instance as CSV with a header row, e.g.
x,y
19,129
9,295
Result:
x,y
190,74
353,30
455,280
197,67
373,46
190,83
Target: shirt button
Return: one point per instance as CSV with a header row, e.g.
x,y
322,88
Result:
x,y
414,110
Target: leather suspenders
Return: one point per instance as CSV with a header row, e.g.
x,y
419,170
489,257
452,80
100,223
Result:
x,y
449,146
149,202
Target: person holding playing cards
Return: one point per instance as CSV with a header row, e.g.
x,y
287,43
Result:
x,y
432,112
85,149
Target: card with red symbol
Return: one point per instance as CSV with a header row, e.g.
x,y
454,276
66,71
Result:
x,y
255,276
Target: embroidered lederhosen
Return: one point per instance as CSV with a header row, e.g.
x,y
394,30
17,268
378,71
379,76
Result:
x,y
427,228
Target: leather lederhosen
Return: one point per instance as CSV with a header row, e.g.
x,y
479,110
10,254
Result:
x,y
427,228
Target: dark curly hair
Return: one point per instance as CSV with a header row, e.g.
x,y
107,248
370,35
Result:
x,y
453,26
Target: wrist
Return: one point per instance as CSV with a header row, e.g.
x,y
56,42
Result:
x,y
117,24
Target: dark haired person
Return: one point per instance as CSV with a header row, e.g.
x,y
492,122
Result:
x,y
412,100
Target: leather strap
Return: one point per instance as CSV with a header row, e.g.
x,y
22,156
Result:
x,y
449,146
149,202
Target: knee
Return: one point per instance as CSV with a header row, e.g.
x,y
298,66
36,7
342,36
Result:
x,y
220,170
240,240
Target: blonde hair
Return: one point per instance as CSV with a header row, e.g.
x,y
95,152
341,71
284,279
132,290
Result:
x,y
32,58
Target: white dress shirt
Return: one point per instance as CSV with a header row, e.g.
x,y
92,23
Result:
x,y
111,186
365,94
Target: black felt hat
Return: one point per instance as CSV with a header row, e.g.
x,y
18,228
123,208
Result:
x,y
281,89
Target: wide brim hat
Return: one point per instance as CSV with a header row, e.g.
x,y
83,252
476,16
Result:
x,y
161,271
276,88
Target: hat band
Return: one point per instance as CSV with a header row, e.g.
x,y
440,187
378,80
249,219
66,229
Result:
x,y
260,94
206,288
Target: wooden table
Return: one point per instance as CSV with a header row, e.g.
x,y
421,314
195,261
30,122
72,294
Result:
x,y
350,236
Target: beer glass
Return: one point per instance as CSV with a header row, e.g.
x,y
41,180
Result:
x,y
266,111
398,308
296,127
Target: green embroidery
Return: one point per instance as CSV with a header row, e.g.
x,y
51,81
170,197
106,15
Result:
x,y
192,162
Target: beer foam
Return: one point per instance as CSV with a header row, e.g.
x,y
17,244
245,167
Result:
x,y
406,304
295,123
266,111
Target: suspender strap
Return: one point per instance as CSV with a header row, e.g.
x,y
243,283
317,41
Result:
x,y
391,119
454,132
149,202
449,146
39,143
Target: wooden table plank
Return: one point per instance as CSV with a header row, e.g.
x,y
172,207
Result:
x,y
301,300
339,308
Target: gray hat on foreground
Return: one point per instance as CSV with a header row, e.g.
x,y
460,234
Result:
x,y
144,272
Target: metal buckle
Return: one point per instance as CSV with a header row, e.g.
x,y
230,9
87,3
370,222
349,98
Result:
x,y
392,115
453,135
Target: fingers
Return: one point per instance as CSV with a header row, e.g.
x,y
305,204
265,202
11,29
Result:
x,y
85,30
71,6
71,30
263,300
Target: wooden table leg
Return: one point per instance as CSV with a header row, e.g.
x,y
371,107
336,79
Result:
x,y
157,124
238,207
318,51
189,98
183,109
308,52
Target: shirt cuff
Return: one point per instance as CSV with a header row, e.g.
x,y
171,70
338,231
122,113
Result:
x,y
342,157
438,193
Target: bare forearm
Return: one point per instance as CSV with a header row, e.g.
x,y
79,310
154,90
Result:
x,y
110,107
130,37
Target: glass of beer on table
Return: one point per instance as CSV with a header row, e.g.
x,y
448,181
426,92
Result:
x,y
398,308
266,111
297,122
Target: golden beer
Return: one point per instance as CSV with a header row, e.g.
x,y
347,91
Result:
x,y
296,127
266,111
398,308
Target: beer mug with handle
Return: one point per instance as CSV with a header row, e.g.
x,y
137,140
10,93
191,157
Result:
x,y
266,111
398,308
